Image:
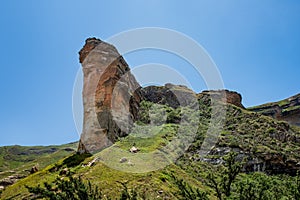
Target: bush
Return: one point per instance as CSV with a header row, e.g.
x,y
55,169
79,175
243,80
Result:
x,y
222,183
66,189
76,159
128,195
187,192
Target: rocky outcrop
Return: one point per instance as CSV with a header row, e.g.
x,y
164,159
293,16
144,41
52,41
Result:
x,y
169,94
34,169
225,96
10,180
179,95
285,110
110,99
269,163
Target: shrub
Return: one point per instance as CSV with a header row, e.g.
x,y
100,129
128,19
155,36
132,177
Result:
x,y
76,159
187,191
65,189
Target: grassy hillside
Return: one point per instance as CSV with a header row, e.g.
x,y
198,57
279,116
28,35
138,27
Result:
x,y
266,149
152,184
20,159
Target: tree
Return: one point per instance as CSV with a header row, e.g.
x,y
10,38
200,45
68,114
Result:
x,y
232,169
222,182
254,187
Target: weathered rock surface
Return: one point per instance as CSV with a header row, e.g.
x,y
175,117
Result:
x,y
270,163
178,95
286,110
123,160
34,169
109,97
225,96
169,94
133,150
10,180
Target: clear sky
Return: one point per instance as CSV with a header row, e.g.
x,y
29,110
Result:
x,y
255,44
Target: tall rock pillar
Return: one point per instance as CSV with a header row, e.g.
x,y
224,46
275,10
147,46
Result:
x,y
110,100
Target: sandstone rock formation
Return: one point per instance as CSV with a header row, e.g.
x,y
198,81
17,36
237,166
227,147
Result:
x,y
169,94
109,97
225,96
179,95
286,110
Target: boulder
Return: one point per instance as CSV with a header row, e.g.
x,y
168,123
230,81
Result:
x,y
134,149
64,171
123,160
33,170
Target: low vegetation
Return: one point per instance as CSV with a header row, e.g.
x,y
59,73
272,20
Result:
x,y
225,173
20,159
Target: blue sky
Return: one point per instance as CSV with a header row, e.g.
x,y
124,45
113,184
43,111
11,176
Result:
x,y
255,44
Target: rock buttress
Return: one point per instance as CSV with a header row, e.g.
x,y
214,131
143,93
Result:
x,y
110,100
225,96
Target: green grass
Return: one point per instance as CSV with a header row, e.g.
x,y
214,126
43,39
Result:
x,y
20,159
283,103
291,108
149,171
109,180
148,138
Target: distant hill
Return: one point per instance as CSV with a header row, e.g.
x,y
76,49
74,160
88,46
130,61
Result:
x,y
16,161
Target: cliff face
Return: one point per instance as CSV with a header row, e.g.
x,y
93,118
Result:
x,y
285,110
169,94
224,96
109,96
178,95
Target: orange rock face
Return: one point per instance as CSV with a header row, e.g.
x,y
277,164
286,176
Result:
x,y
109,96
225,96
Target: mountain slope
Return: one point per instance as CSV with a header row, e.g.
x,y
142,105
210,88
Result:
x,y
265,144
